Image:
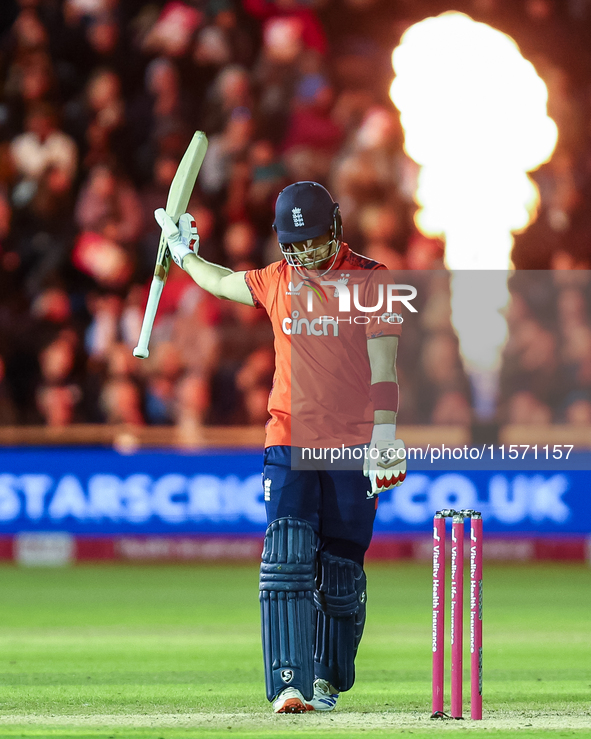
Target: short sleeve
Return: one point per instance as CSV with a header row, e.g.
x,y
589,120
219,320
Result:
x,y
259,282
385,323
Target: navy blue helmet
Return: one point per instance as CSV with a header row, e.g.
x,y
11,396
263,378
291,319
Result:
x,y
304,211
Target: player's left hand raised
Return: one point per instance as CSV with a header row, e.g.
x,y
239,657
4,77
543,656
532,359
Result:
x,y
385,463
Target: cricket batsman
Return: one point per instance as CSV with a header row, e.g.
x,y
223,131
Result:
x,y
331,444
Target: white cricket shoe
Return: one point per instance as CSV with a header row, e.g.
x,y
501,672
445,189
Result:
x,y
325,697
290,700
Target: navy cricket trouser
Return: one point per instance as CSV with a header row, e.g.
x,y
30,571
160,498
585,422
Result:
x,y
337,503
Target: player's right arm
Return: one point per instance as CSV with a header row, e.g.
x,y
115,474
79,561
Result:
x,y
217,280
183,242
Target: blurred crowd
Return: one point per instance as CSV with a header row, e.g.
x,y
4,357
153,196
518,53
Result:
x,y
98,100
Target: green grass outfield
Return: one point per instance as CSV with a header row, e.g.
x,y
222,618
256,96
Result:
x,y
173,651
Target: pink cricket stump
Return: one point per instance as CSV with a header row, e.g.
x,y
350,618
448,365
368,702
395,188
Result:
x,y
438,644
476,617
457,613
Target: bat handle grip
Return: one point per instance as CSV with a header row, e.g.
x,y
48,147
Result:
x,y
141,349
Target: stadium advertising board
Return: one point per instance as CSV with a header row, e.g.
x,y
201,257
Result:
x,y
102,493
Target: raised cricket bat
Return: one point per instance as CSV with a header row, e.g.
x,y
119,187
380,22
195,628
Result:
x,y
179,194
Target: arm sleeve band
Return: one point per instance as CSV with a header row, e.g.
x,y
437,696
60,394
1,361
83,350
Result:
x,y
384,396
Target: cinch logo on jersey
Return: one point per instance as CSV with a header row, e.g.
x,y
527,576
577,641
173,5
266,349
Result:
x,y
295,325
329,325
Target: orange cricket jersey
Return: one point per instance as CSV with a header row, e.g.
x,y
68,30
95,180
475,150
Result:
x,y
320,396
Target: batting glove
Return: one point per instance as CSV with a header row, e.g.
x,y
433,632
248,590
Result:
x,y
182,239
385,463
